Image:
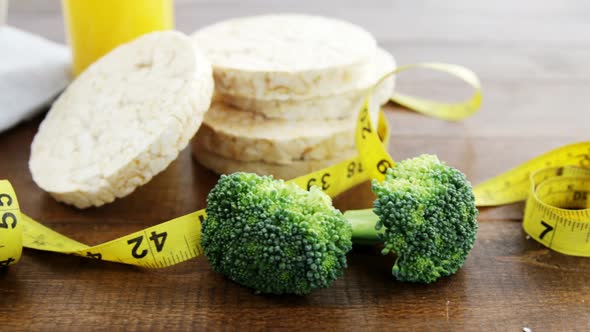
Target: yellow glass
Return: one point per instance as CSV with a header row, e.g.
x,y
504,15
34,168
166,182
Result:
x,y
94,27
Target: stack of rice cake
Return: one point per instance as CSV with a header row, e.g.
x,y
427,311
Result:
x,y
288,89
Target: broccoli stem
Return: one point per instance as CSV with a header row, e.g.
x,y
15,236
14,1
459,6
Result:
x,y
363,224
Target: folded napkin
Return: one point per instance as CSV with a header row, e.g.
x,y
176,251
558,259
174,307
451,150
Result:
x,y
33,71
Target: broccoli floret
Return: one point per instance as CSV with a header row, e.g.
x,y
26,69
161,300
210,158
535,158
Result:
x,y
273,236
426,216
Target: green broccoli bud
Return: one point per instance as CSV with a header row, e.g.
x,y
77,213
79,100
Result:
x,y
425,214
273,236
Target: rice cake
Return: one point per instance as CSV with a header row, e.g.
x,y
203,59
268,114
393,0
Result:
x,y
286,55
317,108
123,120
247,136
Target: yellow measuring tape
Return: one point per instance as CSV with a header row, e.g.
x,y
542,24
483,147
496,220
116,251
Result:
x,y
179,239
446,111
162,245
555,186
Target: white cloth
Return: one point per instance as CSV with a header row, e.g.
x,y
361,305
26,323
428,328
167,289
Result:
x,y
33,71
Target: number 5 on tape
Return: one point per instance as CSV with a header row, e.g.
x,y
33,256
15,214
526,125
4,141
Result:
x,y
11,233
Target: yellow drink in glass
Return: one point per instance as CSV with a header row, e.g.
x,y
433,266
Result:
x,y
94,27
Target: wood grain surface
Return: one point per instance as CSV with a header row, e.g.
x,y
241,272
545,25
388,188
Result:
x,y
532,57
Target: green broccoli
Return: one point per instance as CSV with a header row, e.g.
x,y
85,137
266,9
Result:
x,y
274,236
425,214
277,238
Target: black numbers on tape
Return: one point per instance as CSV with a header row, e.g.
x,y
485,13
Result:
x,y
323,180
580,195
97,256
548,228
325,184
158,239
6,218
366,130
383,165
353,168
6,200
364,113
135,251
7,262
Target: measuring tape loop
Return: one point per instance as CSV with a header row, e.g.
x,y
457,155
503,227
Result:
x,y
556,188
446,111
368,145
179,239
557,212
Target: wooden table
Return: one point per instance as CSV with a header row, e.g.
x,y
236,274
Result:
x,y
532,57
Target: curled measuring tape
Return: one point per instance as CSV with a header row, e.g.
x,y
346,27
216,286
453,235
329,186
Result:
x,y
179,239
556,188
